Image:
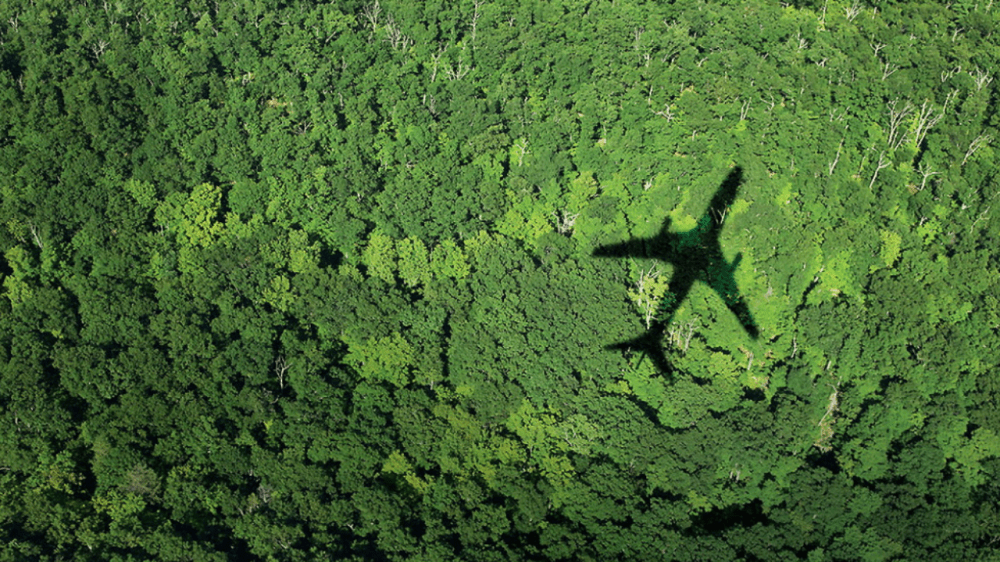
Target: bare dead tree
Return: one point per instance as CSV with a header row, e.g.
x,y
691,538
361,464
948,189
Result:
x,y
749,356
680,335
437,60
397,39
666,113
770,106
280,368
883,163
927,118
458,72
736,472
637,37
896,116
982,216
565,221
264,492
720,215
688,334
98,48
888,69
744,110
981,78
649,306
645,276
35,237
673,335
977,143
822,16
141,17
926,173
947,74
371,12
522,149
430,104
833,165
476,14
826,427
853,10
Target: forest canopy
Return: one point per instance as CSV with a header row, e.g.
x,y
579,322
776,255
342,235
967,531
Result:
x,y
299,280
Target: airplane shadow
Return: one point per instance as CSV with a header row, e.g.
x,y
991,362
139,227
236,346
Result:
x,y
696,256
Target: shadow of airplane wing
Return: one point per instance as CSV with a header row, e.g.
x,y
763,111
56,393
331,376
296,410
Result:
x,y
657,247
724,197
742,312
725,286
651,342
636,248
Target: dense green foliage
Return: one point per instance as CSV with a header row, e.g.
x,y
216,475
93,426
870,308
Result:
x,y
294,281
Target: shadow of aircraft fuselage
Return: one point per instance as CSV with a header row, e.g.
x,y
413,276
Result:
x,y
696,256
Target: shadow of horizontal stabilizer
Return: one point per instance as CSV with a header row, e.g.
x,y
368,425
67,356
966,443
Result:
x,y
649,344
